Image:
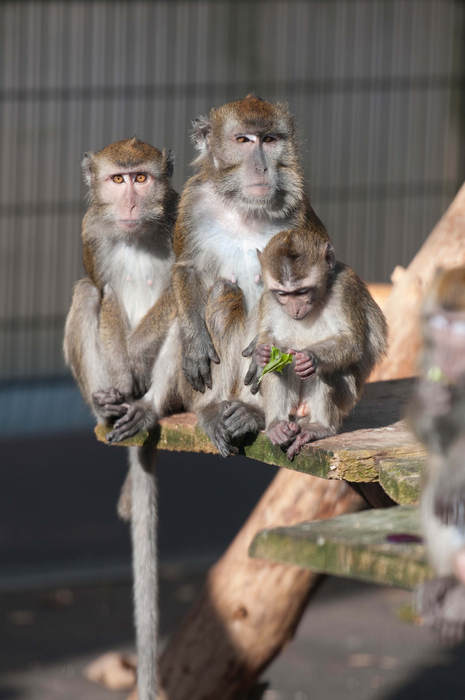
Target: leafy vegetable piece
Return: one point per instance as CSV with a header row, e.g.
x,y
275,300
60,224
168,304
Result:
x,y
278,361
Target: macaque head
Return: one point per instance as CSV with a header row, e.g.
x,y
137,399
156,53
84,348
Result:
x,y
129,180
296,269
248,150
444,322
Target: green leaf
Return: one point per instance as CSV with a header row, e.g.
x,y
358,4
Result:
x,y
278,361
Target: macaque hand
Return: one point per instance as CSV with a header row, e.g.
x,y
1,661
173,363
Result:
x,y
196,362
305,363
261,355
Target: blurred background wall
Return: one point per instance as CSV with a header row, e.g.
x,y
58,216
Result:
x,y
377,88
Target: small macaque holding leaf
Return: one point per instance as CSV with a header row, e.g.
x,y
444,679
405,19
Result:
x,y
334,332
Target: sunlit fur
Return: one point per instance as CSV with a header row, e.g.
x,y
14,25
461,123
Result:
x,y
227,164
344,331
217,234
117,337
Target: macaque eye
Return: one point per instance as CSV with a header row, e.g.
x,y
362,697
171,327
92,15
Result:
x,y
302,292
118,179
242,139
269,139
281,294
141,177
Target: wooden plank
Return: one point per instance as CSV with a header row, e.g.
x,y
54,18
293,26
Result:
x,y
402,479
355,546
373,433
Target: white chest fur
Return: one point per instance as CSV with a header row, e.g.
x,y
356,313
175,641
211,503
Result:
x,y
138,279
227,243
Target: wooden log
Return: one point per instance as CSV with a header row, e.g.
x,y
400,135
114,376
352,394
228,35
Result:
x,y
249,609
445,247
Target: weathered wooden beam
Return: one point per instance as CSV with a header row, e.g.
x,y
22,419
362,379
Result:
x,y
359,545
371,435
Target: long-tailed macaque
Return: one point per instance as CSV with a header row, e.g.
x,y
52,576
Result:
x,y
249,187
121,346
321,312
437,416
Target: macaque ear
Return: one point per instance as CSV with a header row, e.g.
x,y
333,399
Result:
x,y
168,157
329,256
86,165
201,133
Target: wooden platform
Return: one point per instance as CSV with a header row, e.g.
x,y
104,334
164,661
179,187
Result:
x,y
369,546
375,444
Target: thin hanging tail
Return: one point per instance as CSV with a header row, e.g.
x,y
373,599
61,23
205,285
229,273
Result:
x,y
143,462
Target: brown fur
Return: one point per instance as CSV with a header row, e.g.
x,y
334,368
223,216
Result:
x,y
343,334
222,172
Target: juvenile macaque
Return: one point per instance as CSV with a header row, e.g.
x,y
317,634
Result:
x,y
437,416
122,346
249,187
322,313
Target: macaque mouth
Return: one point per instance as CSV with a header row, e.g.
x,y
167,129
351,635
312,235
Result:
x,y
258,190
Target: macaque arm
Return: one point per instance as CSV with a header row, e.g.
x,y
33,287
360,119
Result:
x,y
113,331
338,351
197,346
145,341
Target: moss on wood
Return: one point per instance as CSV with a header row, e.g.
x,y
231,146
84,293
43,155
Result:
x,y
353,545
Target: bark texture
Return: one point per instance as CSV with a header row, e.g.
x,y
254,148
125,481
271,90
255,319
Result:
x,y
249,608
445,247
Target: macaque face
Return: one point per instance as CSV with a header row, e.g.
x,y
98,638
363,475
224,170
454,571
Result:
x,y
297,298
129,196
249,159
248,149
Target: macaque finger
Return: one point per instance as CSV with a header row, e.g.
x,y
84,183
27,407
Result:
x,y
250,348
251,372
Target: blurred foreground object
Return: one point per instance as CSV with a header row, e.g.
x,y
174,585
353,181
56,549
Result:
x,y
437,416
445,247
113,670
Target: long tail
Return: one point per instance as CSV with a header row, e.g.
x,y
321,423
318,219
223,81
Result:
x,y
143,462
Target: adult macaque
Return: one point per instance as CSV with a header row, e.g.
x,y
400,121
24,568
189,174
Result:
x,y
121,346
321,312
437,416
249,187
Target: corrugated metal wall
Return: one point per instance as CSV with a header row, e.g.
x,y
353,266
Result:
x,y
376,87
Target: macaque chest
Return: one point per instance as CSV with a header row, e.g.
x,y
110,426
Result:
x,y
138,279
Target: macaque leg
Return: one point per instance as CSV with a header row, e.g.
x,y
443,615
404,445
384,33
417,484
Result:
x,y
84,351
320,412
227,418
160,399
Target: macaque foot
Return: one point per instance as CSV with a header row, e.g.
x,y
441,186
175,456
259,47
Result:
x,y
283,433
211,421
441,603
110,403
138,416
314,431
240,419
